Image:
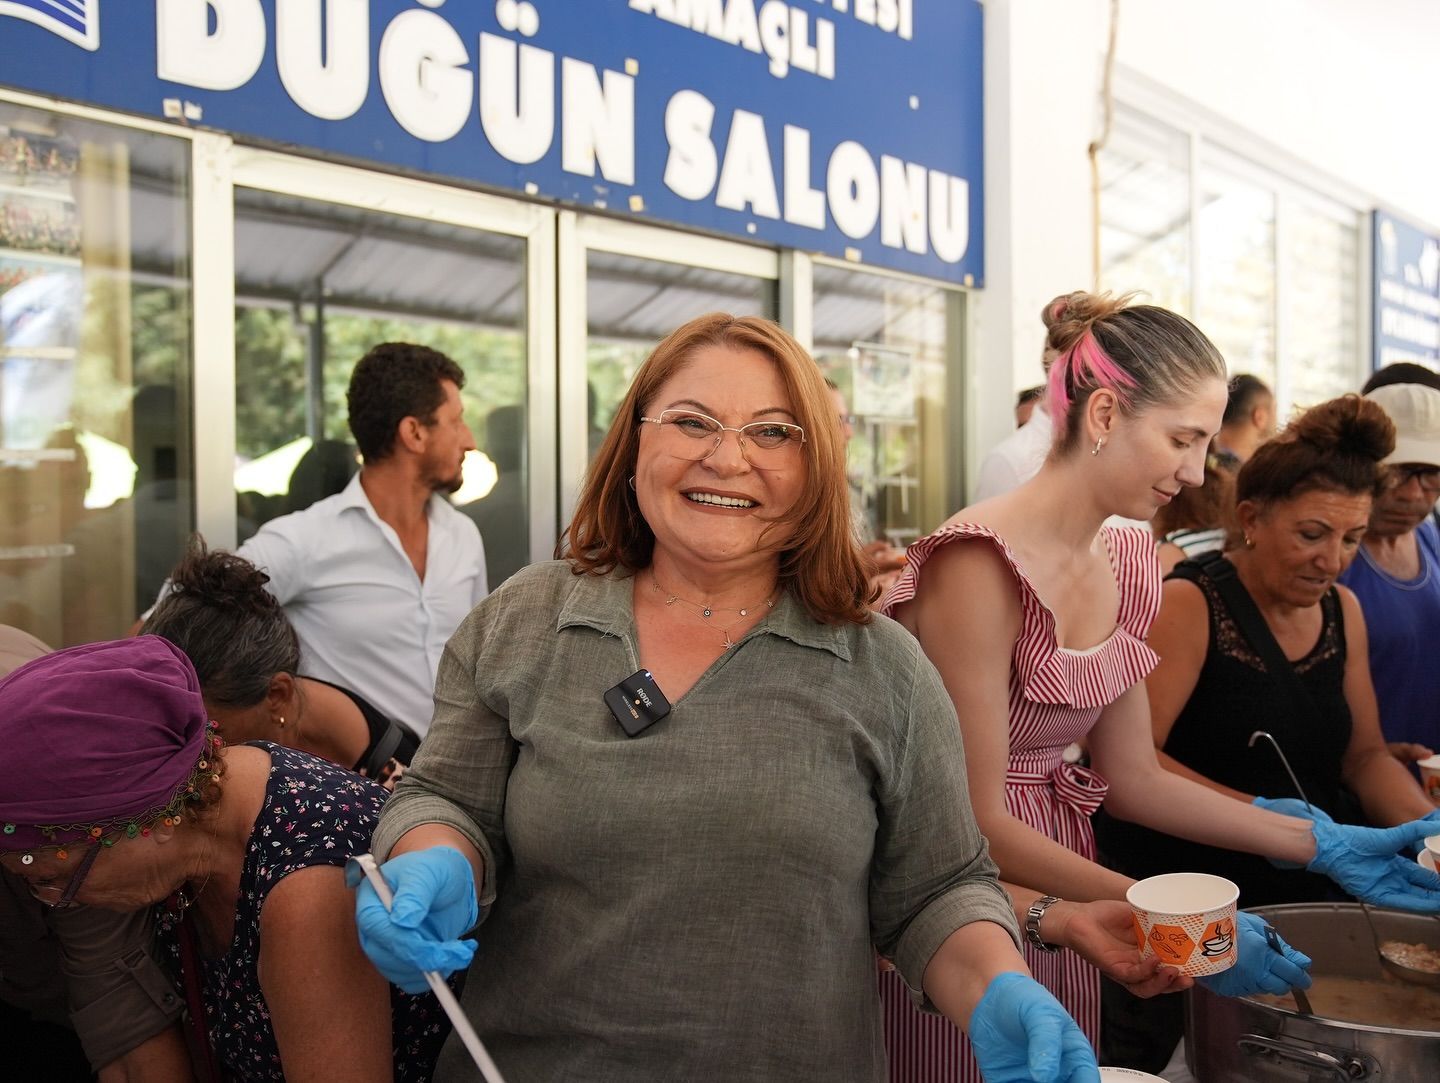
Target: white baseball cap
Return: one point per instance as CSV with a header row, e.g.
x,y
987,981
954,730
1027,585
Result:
x,y
1415,410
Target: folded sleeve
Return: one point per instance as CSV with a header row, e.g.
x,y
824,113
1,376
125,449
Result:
x,y
932,872
278,550
461,771
120,996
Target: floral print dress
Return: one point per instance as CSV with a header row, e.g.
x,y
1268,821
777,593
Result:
x,y
314,813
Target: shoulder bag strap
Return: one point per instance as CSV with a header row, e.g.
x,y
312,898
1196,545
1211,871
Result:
x,y
1251,622
208,1068
383,751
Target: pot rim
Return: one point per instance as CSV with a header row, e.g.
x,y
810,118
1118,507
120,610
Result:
x,y
1322,1020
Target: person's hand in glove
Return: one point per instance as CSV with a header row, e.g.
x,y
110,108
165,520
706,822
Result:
x,y
434,906
1293,806
1258,967
1021,1034
1366,863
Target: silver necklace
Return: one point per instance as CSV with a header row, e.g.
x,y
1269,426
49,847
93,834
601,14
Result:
x,y
705,610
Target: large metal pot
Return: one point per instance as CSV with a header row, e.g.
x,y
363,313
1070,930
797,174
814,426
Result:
x,y
1239,1040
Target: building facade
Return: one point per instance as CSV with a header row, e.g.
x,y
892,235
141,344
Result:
x,y
208,211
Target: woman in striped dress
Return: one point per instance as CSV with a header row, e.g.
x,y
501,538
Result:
x,y
1035,613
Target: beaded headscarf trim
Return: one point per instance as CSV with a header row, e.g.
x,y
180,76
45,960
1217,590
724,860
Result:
x,y
108,832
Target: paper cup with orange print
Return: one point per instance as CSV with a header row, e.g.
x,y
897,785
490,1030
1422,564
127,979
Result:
x,y
1430,777
1187,920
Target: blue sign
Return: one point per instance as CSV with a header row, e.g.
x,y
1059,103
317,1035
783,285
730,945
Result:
x,y
1406,304
850,127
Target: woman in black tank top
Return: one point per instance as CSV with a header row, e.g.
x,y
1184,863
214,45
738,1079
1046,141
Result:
x,y
1264,639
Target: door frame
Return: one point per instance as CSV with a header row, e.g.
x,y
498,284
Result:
x,y
222,165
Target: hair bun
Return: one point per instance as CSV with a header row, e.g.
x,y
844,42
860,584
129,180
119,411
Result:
x,y
1350,425
223,579
1070,315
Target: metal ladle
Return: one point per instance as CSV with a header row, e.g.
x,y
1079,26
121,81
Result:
x,y
1392,966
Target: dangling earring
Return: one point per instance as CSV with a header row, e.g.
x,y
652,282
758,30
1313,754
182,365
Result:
x,y
1098,445
632,483
1248,543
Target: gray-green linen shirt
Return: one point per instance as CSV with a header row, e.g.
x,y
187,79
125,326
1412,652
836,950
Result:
x,y
702,901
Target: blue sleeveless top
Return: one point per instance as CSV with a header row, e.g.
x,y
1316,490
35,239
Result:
x,y
1403,619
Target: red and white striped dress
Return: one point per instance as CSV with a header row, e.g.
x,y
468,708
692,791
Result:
x,y
1056,696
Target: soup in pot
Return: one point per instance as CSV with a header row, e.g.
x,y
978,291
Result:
x,y
1375,1002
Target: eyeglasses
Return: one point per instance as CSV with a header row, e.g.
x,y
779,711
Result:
x,y
67,897
765,444
1427,476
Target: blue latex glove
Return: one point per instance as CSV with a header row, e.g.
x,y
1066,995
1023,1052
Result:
x,y
1258,967
1433,818
1293,806
1021,1034
1366,863
434,905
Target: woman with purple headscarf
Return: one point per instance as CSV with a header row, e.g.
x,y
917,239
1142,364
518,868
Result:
x,y
127,799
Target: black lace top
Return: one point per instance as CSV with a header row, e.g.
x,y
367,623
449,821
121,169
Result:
x,y
1233,697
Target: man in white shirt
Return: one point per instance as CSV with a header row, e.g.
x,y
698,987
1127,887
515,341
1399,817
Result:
x,y
1017,458
377,578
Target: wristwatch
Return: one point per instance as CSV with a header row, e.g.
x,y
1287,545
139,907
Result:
x,y
1032,923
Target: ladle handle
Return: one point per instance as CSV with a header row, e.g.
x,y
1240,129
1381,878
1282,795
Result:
x,y
1302,1001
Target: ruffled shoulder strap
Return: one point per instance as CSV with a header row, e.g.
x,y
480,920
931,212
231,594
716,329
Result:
x,y
1044,671
1037,626
1137,575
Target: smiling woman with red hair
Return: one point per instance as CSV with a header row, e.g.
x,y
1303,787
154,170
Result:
x,y
694,782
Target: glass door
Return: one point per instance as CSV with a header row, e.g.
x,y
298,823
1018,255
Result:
x,y
330,261
623,288
96,449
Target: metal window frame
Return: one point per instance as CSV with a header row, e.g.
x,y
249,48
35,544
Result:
x,y
578,234
1289,179
557,242
367,189
962,406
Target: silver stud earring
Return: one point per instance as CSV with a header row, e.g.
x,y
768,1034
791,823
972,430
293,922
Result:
x,y
1098,445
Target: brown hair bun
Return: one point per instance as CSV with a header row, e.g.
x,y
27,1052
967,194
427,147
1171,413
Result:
x,y
1350,425
1070,315
1336,446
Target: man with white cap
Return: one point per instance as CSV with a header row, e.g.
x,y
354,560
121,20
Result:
x,y
1396,575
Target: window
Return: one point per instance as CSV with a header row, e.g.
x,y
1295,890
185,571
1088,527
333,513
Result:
x,y
1321,321
886,343
317,285
1268,269
1145,212
1235,296
632,303
95,364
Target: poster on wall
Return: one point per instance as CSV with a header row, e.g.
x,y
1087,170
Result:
x,y
41,289
1406,304
847,127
